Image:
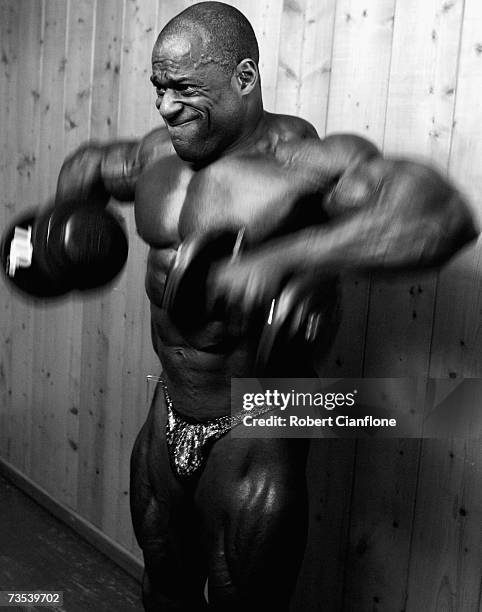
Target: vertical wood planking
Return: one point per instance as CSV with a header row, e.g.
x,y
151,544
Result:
x,y
108,336
294,73
361,39
447,539
26,196
103,320
422,82
357,102
418,121
136,100
305,60
65,100
265,17
445,563
8,160
51,338
360,67
457,338
317,62
78,93
305,64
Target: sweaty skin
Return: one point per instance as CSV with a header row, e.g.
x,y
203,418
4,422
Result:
x,y
252,185
309,206
225,523
251,189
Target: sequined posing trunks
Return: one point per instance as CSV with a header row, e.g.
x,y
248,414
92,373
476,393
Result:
x,y
188,443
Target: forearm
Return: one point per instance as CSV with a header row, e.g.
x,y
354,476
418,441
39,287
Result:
x,y
96,172
351,245
411,219
382,215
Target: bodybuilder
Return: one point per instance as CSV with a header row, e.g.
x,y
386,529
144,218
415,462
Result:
x,y
206,505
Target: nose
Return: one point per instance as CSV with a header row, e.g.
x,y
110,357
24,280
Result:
x,y
168,106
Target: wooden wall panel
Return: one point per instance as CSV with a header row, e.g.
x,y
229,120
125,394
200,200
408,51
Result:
x,y
447,539
78,98
136,101
52,346
419,111
305,60
265,18
357,102
361,40
9,18
103,316
393,525
26,196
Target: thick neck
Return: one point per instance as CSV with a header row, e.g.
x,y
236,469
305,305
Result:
x,y
254,125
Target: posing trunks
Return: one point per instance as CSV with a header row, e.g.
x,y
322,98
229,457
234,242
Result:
x,y
188,442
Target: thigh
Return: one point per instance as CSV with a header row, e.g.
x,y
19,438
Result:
x,y
253,501
165,523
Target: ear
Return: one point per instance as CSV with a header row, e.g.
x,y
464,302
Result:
x,y
247,76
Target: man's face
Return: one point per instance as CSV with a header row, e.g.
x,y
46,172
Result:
x,y
196,97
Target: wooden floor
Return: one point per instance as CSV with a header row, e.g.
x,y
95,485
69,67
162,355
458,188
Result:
x,y
39,552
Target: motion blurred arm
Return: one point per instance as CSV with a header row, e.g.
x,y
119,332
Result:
x,y
96,172
384,214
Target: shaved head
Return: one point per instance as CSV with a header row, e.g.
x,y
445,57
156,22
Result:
x,y
223,34
205,71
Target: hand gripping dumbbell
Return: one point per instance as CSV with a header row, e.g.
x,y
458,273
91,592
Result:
x,y
304,316
185,292
62,249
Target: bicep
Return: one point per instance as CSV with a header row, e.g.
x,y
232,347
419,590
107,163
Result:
x,y
123,162
97,171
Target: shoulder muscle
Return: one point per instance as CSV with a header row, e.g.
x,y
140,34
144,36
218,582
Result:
x,y
323,162
124,161
289,127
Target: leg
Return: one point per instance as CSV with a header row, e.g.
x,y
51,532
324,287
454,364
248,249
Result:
x,y
165,524
253,502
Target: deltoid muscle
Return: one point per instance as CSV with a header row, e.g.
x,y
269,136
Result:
x,y
124,161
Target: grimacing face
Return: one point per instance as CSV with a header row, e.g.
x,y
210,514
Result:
x,y
197,98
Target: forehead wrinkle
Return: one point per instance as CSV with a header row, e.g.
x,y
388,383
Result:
x,y
171,60
189,46
165,66
173,46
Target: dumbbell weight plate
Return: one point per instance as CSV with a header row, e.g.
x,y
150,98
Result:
x,y
36,279
185,295
87,244
303,319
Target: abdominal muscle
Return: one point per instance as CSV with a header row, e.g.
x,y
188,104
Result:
x,y
197,364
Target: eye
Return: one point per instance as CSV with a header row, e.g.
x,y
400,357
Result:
x,y
159,90
188,90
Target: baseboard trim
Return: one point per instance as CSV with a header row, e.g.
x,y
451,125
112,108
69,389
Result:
x,y
84,528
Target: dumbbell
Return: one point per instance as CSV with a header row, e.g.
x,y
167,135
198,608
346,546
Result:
x,y
50,253
304,314
185,291
304,317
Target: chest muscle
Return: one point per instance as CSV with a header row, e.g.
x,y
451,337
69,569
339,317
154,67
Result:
x,y
172,201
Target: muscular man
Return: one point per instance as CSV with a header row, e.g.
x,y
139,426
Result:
x,y
233,511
